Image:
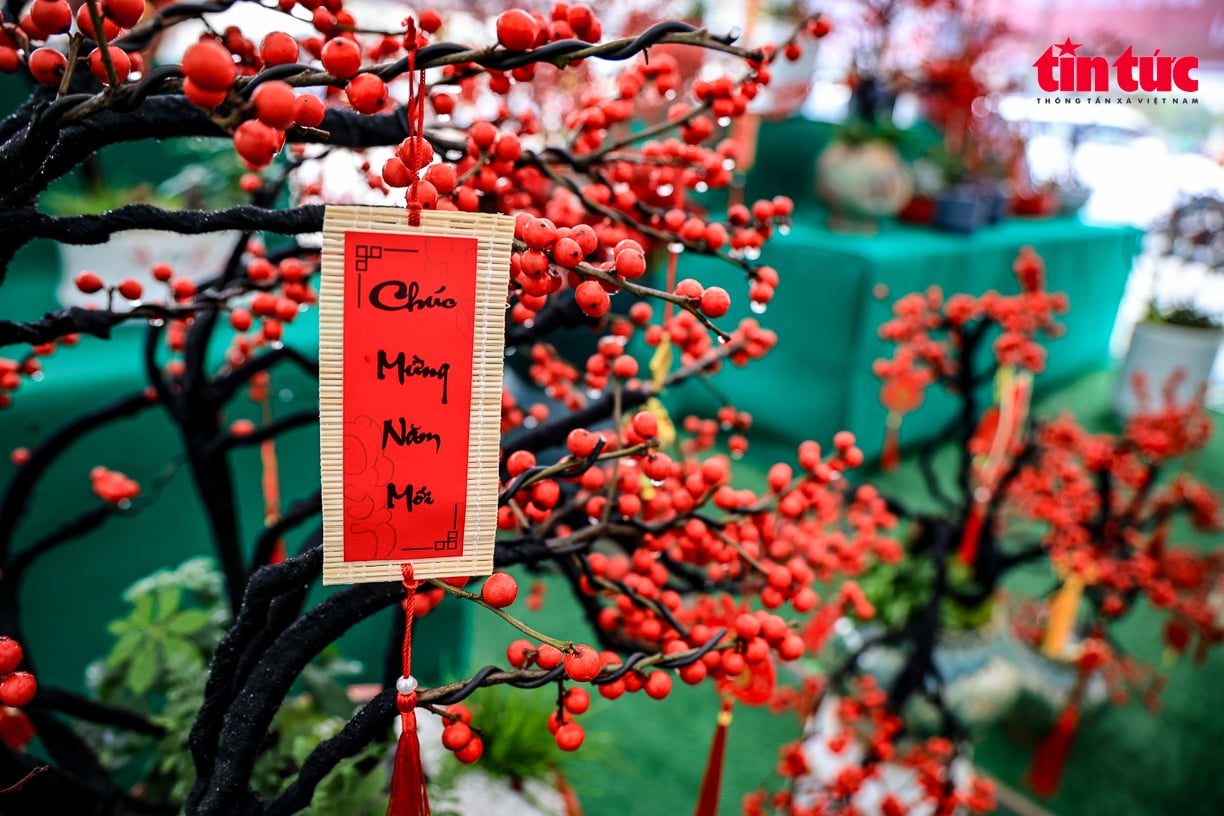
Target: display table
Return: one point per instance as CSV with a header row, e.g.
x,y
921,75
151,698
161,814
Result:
x,y
837,289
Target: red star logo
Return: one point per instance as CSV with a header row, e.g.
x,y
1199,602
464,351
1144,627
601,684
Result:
x,y
1067,47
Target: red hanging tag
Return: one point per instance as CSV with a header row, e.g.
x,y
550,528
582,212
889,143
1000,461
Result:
x,y
409,796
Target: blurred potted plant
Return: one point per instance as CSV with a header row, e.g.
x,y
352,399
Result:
x,y
1179,332
861,176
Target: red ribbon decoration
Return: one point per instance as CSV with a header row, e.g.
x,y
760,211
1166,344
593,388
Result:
x,y
408,794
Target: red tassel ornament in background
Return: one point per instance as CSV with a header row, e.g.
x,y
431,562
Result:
x,y
711,781
1046,772
890,456
408,794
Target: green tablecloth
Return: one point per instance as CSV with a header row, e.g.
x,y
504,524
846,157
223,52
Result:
x,y
826,313
69,595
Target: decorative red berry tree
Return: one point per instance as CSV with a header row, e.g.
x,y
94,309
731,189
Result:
x,y
638,516
1025,489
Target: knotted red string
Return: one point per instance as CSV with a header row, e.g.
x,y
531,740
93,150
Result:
x,y
415,113
408,794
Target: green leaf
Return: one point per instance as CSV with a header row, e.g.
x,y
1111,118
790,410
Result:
x,y
120,627
182,656
124,648
168,598
142,615
189,621
143,669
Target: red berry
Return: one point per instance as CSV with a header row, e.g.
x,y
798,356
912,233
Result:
x,y
183,289
395,173
658,685
520,461
442,177
10,650
201,96
470,752
630,263
209,65
18,457
576,700
592,299
47,65
582,663
645,425
85,23
482,134
310,111
582,442
51,16
130,288
275,104
278,48
162,271
429,21
715,301
499,590
567,253
88,282
366,93
126,13
517,652
517,30
570,736
257,143
341,57
549,657
18,689
456,736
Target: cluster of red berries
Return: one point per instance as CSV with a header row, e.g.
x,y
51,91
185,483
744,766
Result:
x,y
927,329
862,718
17,688
47,18
111,486
459,736
12,371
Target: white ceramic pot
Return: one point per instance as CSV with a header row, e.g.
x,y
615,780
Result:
x,y
824,766
132,254
861,184
1156,351
981,681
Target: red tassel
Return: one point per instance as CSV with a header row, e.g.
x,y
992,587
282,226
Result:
x,y
573,807
711,782
972,532
408,794
1047,769
890,457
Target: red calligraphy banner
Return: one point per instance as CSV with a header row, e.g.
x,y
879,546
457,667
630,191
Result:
x,y
408,330
415,320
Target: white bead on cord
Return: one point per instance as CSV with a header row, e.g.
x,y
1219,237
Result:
x,y
406,685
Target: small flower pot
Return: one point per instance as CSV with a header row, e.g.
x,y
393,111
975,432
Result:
x,y
961,211
1157,350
